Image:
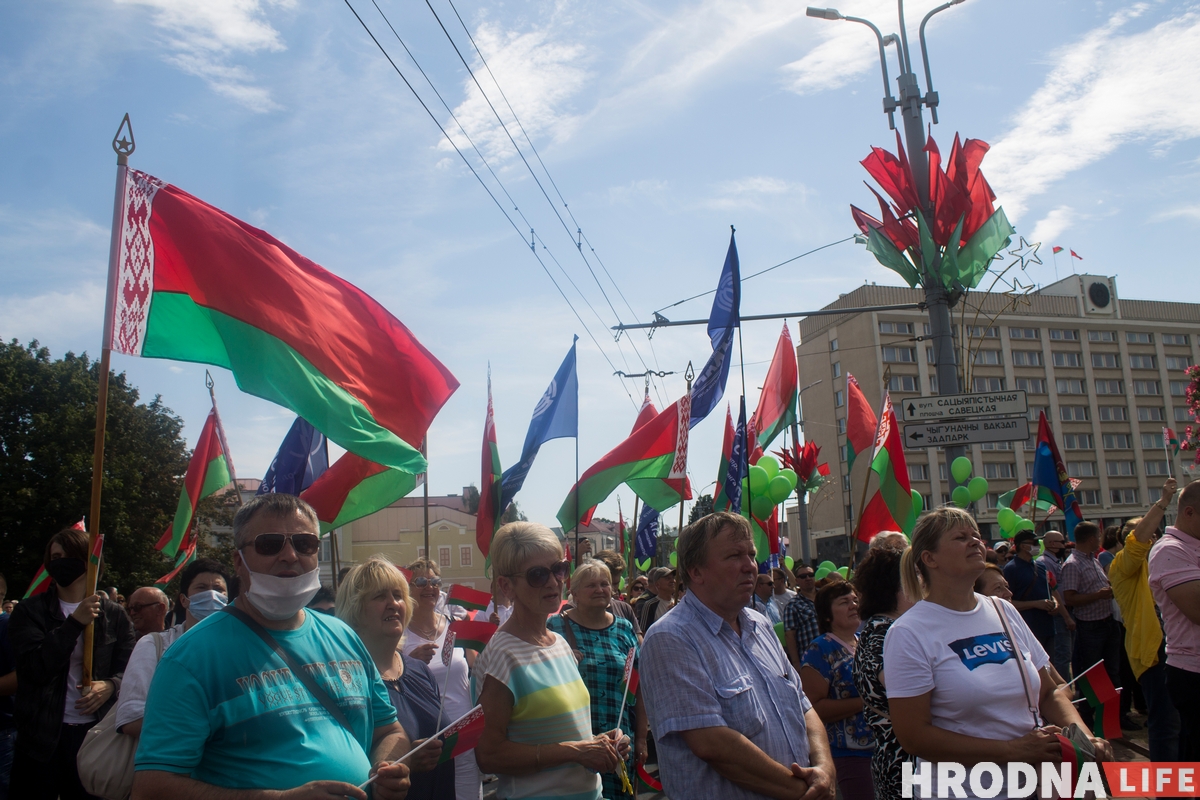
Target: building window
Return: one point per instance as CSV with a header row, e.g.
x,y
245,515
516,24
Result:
x,y
1074,413
1143,362
1032,385
1024,333
1102,336
1110,387
1105,360
1178,362
1117,441
1079,441
918,472
1146,388
927,500
1114,414
845,483
1002,470
1178,388
1175,338
1068,359
997,446
1069,386
444,556
1152,440
987,385
839,399
1078,469
980,332
464,555
1088,497
1151,414
842,425
899,355
849,511
420,552
1157,468
930,358
904,383
1060,335
1139,338
1027,358
987,358
1123,497
837,369
1120,469
844,451
953,332
896,327
832,344
1182,414
1035,413
942,471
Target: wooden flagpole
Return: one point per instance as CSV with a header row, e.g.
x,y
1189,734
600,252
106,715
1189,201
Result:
x,y
123,148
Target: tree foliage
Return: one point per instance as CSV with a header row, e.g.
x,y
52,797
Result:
x,y
47,429
701,508
1189,437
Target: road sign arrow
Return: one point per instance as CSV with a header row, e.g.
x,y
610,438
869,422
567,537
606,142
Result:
x,y
911,409
916,435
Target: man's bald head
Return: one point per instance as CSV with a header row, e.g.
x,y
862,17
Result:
x,y
148,609
1188,518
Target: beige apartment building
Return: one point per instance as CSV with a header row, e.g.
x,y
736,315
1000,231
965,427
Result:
x,y
1108,372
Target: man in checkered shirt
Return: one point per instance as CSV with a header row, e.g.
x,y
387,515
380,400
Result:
x,y
1088,594
800,616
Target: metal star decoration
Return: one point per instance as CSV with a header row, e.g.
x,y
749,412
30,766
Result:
x,y
1026,254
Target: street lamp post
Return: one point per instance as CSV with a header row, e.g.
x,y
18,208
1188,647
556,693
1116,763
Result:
x,y
937,300
802,499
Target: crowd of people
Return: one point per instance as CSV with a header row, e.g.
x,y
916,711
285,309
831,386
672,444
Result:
x,y
258,682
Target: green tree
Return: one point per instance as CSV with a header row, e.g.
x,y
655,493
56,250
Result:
x,y
701,508
47,428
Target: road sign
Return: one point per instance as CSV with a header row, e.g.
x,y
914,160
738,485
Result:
x,y
956,406
966,431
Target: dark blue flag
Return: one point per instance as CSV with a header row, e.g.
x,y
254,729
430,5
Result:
x,y
738,468
302,458
724,317
646,544
555,417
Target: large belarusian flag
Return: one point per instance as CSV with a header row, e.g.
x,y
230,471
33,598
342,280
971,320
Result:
x,y
889,465
777,403
193,283
652,485
652,461
875,519
489,512
354,488
209,471
861,422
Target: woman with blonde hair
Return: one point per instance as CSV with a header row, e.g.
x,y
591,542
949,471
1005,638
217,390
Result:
x,y
537,724
373,600
954,647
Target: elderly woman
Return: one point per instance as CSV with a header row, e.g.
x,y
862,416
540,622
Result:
x,y
881,602
992,583
425,639
373,600
953,648
537,729
601,641
827,676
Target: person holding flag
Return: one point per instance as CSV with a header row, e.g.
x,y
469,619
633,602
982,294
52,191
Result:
x,y
53,710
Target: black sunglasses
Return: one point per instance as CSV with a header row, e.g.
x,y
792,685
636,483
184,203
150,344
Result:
x,y
270,544
537,577
422,582
805,576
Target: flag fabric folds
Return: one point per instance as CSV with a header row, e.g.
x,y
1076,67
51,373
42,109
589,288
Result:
x,y
1172,441
1096,685
193,283
737,467
302,457
462,736
1015,498
777,403
556,416
888,463
875,519
472,634
646,413
861,422
487,516
354,488
650,485
1076,255
466,597
208,472
1050,476
723,319
39,584
646,543
1056,249
721,499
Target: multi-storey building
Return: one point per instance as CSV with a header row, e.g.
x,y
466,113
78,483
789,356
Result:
x,y
1108,372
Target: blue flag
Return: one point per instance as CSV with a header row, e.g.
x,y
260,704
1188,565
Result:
x,y
646,544
555,417
724,317
1050,478
738,467
302,458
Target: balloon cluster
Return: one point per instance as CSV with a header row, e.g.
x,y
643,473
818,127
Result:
x,y
767,486
974,488
1012,523
827,568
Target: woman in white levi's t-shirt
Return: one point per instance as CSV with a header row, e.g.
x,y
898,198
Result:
x,y
954,684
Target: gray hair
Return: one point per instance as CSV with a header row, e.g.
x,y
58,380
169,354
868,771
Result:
x,y
516,542
590,569
275,505
692,547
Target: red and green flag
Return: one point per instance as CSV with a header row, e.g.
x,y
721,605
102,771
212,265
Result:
x,y
889,465
209,471
193,283
472,634
721,500
462,736
777,403
876,518
861,422
97,550
187,554
1056,250
39,584
1172,441
466,597
651,783
1106,720
652,461
1096,685
646,413
487,516
1018,497
353,488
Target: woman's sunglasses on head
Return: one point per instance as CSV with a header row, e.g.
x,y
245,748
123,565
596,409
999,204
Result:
x,y
422,582
537,577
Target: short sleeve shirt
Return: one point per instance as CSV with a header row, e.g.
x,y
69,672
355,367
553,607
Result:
x,y
1082,573
224,708
1174,561
1029,581
800,616
829,657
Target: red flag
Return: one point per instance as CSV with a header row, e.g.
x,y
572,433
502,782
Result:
x,y
777,403
463,735
80,526
1076,255
875,519
472,635
208,472
466,597
889,465
353,488
721,500
489,510
39,584
646,413
1056,250
861,422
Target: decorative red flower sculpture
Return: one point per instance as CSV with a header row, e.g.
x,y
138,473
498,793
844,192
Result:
x,y
811,476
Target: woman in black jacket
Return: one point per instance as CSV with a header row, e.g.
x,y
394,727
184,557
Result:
x,y
46,632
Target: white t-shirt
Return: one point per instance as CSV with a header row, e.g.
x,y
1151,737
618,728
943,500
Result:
x,y
504,612
131,703
966,660
74,675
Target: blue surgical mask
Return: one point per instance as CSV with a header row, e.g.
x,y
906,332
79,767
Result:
x,y
201,604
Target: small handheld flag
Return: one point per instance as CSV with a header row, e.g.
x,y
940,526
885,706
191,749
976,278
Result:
x,y
39,584
471,634
466,597
460,735
630,681
448,648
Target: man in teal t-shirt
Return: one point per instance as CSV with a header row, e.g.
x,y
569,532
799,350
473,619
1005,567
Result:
x,y
225,712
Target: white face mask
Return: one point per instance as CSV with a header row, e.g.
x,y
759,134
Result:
x,y
201,604
279,598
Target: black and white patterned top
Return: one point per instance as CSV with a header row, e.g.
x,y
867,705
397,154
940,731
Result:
x,y
868,664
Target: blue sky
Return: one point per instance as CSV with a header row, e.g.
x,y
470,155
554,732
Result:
x,y
660,123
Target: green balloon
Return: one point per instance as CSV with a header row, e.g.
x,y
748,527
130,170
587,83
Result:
x,y
1008,534
1041,549
770,465
822,573
827,565
918,502
960,468
779,489
745,487
779,632
844,572
644,564
762,507
673,559
758,480
977,487
1025,525
1007,518
621,584
961,496
791,476
788,562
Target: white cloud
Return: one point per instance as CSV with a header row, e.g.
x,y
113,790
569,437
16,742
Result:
x,y
1052,225
53,316
752,192
1108,89
1185,212
203,35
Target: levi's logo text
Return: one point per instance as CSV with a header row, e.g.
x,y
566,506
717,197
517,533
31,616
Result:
x,y
987,648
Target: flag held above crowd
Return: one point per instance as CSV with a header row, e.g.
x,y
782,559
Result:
x,y
208,472
488,515
1050,476
303,457
355,487
723,320
777,403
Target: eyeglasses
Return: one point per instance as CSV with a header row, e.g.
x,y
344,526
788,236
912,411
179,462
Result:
x,y
270,544
537,577
422,582
805,576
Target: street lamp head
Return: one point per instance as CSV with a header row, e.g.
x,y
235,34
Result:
x,y
891,38
827,13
